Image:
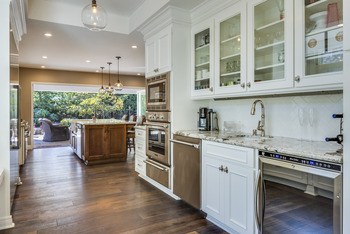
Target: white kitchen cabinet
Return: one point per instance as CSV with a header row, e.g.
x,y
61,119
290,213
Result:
x,y
318,43
228,186
270,41
158,53
230,49
202,47
140,151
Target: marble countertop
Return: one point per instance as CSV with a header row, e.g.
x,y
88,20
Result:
x,y
102,122
325,151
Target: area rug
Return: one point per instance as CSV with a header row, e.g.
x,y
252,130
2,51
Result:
x,y
39,143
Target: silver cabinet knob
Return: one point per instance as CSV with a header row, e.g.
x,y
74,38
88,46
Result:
x,y
243,85
248,84
221,168
226,169
297,79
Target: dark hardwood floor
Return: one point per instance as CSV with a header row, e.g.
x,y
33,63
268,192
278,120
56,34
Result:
x,y
61,195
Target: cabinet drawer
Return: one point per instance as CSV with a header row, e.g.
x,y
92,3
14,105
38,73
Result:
x,y
140,165
232,153
140,134
140,146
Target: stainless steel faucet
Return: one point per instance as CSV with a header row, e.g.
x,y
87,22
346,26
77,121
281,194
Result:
x,y
261,123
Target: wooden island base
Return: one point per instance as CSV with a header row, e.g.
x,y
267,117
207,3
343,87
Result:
x,y
103,142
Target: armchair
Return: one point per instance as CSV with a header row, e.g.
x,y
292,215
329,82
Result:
x,y
53,132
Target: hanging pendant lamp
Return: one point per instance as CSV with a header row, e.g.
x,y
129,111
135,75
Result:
x,y
118,85
94,17
102,90
109,88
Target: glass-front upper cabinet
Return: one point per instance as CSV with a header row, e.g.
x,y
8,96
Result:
x,y
202,70
230,53
272,44
319,42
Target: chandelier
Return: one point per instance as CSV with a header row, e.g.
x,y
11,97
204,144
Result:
x,y
94,17
109,88
102,90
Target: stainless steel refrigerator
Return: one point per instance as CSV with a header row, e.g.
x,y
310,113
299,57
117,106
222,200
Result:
x,y
15,142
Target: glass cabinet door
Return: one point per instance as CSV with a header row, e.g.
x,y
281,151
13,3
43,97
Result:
x,y
323,36
230,51
269,41
202,60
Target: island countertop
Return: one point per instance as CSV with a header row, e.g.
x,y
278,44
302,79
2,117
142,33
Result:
x,y
101,121
325,151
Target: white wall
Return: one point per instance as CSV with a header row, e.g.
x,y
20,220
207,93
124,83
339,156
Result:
x,y
304,117
5,218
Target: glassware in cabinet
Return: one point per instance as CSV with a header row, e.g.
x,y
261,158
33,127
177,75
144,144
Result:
x,y
269,53
230,51
323,36
202,60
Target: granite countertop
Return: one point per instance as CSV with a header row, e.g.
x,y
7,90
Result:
x,y
103,122
325,151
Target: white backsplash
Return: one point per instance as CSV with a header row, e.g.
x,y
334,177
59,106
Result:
x,y
302,117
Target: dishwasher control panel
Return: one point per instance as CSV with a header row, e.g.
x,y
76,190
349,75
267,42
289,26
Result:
x,y
300,160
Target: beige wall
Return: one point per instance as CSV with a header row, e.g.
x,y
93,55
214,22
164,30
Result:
x,y
28,76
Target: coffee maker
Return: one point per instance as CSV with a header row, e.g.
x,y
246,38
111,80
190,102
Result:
x,y
207,120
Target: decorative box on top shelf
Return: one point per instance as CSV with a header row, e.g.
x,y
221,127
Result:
x,y
335,39
315,44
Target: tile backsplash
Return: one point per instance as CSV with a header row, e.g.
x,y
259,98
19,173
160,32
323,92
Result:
x,y
302,117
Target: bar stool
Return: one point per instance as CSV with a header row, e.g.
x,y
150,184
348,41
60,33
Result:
x,y
130,134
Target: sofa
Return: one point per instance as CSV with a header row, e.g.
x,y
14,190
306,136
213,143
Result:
x,y
53,132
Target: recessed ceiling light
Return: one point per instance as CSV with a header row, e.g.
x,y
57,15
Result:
x,y
139,74
11,30
43,67
134,46
44,57
88,61
97,71
48,35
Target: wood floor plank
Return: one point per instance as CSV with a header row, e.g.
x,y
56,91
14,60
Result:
x,y
60,194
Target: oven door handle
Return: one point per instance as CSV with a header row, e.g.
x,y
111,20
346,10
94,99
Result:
x,y
185,143
155,124
257,199
156,166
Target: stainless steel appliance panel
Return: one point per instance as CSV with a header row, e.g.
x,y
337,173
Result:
x,y
157,135
187,164
158,172
158,93
315,167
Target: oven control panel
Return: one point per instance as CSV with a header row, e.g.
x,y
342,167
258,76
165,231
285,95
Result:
x,y
300,160
158,116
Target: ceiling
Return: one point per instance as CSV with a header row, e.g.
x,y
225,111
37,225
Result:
x,y
71,45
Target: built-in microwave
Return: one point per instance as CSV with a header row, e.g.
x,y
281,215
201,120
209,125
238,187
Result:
x,y
157,93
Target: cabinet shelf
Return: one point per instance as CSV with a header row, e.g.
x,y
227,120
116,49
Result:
x,y
269,67
203,46
230,39
202,64
201,79
270,46
331,53
230,56
275,23
324,30
230,73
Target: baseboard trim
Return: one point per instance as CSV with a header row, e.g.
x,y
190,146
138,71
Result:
x,y
160,187
6,222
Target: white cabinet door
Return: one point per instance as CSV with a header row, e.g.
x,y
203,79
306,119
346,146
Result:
x,y
202,60
151,58
270,50
319,46
230,49
212,188
164,50
240,197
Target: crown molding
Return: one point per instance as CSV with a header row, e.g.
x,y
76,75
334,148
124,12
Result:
x,y
18,19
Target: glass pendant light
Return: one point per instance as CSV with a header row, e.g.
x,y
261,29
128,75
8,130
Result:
x,y
109,88
118,85
94,17
102,90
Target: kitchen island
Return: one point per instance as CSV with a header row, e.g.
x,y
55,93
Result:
x,y
100,141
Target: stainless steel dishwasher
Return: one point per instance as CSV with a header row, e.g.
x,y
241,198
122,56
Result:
x,y
187,164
